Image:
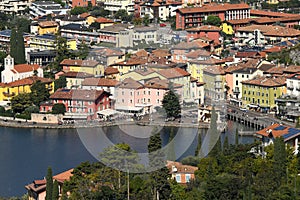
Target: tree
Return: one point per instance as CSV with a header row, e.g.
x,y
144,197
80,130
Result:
x,y
21,102
280,160
146,20
236,137
17,47
159,178
61,82
213,20
171,104
55,192
39,93
198,148
78,10
49,184
121,14
59,108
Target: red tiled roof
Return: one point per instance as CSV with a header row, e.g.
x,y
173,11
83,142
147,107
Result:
x,y
85,15
273,49
72,74
111,70
157,83
195,44
161,53
216,70
142,53
269,30
214,8
103,20
247,54
173,73
29,81
271,14
64,176
21,68
205,28
70,62
182,169
198,53
266,81
100,82
45,24
77,94
129,83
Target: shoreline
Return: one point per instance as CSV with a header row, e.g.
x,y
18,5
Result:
x,y
20,123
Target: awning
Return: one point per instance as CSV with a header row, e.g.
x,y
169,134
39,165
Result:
x,y
235,100
128,108
107,112
252,106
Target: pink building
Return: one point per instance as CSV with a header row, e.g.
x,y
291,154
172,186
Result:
x,y
79,103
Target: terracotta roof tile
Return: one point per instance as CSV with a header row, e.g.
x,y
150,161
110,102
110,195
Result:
x,y
205,28
110,71
72,74
21,68
100,82
157,83
129,83
271,14
266,81
103,20
29,81
277,130
195,44
64,176
292,69
142,53
181,168
77,94
70,62
173,73
161,53
216,70
85,15
45,24
198,53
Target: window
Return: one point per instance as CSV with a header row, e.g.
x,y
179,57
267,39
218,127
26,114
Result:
x,y
157,101
236,82
158,93
274,94
130,101
178,178
148,100
187,178
149,93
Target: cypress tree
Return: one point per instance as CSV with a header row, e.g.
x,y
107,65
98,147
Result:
x,y
280,160
13,43
171,149
197,151
20,59
55,192
49,185
236,137
226,144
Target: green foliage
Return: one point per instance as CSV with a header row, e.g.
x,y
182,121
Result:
x,y
137,21
99,12
2,109
280,160
77,10
59,108
213,20
55,191
39,93
21,102
49,185
171,104
146,20
198,148
61,82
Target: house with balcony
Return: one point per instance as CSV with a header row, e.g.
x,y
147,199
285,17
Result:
x,y
262,34
189,17
136,35
80,104
80,33
293,85
48,42
12,89
114,5
182,174
106,56
47,27
214,78
87,66
290,135
14,72
109,34
42,58
42,8
108,85
14,7
261,92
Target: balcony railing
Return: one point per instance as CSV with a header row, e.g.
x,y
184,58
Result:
x,y
8,94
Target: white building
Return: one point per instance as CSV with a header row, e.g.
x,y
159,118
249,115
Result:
x,y
293,85
134,36
13,72
41,8
114,5
14,6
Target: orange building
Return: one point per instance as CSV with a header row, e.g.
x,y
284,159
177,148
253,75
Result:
x,y
83,3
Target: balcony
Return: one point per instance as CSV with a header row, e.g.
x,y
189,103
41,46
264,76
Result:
x,y
290,87
236,90
8,94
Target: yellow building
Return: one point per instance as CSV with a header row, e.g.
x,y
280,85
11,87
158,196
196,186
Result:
x,y
261,92
86,66
47,27
74,79
48,42
215,81
89,19
140,74
196,67
227,28
12,89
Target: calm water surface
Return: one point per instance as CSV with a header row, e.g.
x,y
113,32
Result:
x,y
25,154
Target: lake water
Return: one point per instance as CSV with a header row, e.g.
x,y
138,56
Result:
x,y
25,154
